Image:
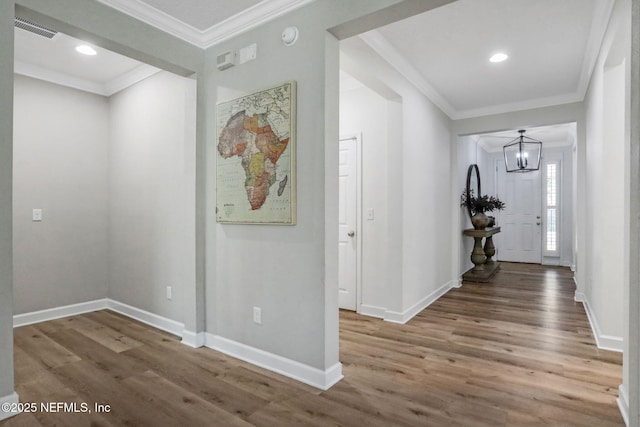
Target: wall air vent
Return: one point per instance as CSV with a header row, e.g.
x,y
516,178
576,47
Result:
x,y
34,28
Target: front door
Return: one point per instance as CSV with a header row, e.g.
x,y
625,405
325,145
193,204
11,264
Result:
x,y
347,222
520,237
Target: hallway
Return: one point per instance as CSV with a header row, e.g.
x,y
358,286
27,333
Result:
x,y
515,352
518,351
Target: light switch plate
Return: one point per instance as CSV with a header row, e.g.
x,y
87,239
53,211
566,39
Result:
x,y
36,215
257,315
248,53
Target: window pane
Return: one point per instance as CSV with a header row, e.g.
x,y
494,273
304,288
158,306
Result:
x,y
552,184
551,230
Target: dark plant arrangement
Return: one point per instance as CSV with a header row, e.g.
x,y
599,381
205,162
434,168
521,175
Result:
x,y
481,204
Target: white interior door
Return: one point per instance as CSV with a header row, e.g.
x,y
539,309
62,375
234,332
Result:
x,y
347,225
520,237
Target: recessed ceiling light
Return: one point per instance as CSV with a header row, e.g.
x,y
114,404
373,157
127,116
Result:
x,y
86,50
499,57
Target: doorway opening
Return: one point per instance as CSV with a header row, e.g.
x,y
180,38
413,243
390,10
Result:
x,y
104,154
369,168
539,219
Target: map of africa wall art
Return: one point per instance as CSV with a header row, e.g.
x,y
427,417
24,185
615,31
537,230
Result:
x,y
256,157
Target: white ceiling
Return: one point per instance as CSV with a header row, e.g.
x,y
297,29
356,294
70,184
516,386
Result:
x,y
56,60
552,46
551,136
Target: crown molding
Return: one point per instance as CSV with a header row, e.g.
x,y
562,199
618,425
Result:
x,y
104,89
239,23
389,53
156,18
63,79
130,78
248,19
519,106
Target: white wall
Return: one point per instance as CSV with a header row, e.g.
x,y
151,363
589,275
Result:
x,y
152,194
427,247
280,269
629,399
60,166
6,215
607,147
486,164
417,158
607,202
116,181
357,108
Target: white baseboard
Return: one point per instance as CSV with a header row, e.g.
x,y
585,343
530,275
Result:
x,y
287,367
193,339
578,296
290,368
408,314
58,312
604,342
171,326
556,262
372,310
623,403
11,399
143,316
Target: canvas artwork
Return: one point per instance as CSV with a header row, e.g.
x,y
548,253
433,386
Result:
x,y
256,162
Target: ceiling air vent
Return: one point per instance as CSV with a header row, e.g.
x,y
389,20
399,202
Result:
x,y
34,28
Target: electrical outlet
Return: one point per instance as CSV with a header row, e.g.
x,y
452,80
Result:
x,y
169,293
257,315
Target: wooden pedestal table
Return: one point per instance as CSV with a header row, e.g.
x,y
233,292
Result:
x,y
484,267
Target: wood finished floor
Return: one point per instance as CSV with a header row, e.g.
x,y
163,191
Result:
x,y
515,352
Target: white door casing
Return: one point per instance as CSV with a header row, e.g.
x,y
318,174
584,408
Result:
x,y
520,221
348,224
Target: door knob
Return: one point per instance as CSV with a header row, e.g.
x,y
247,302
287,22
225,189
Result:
x,y
351,233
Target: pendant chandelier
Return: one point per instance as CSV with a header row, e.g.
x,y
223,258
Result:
x,y
522,154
